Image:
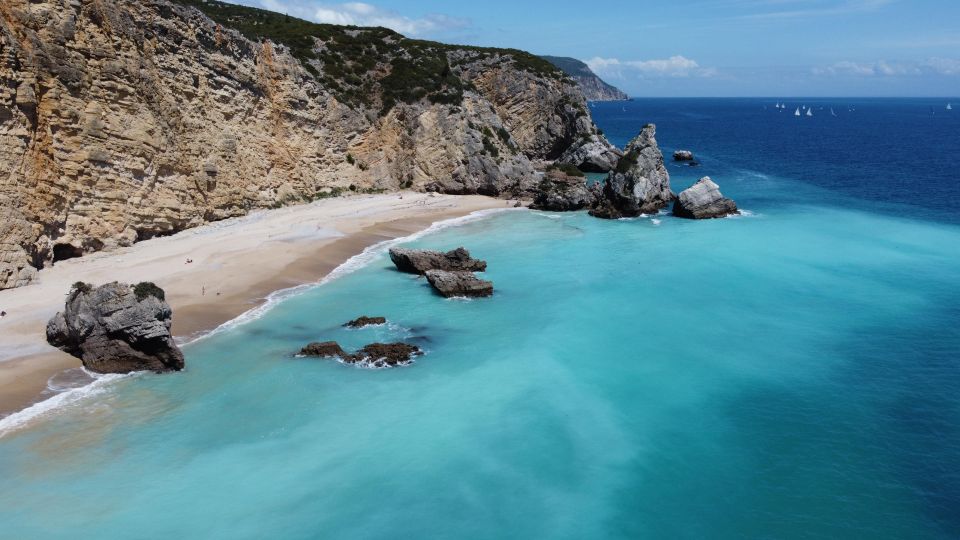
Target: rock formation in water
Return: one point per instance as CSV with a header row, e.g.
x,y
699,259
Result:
x,y
122,120
374,354
363,321
703,200
640,184
117,328
562,192
593,87
594,154
683,155
326,349
456,284
419,261
386,354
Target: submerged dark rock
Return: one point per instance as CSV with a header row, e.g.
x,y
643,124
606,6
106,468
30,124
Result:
x,y
390,354
375,354
450,284
683,155
117,328
559,192
326,349
640,184
360,322
703,200
419,261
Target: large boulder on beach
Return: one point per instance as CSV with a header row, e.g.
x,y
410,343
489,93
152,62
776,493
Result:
x,y
561,192
117,328
703,200
683,155
419,261
450,284
640,184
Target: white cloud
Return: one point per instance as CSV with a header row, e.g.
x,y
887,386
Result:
x,y
802,9
882,68
363,14
943,66
675,66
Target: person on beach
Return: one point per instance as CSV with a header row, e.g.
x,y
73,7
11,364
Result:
x,y
3,313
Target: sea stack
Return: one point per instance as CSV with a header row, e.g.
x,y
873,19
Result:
x,y
683,155
703,200
117,328
640,184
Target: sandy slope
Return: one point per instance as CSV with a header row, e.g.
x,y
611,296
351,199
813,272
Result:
x,y
236,263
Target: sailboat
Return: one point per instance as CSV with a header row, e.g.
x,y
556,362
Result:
x,y
797,112
831,112
949,107
810,111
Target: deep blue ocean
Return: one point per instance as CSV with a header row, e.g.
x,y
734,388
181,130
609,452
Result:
x,y
790,373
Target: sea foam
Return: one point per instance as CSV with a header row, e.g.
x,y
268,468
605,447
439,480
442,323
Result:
x,y
73,396
101,383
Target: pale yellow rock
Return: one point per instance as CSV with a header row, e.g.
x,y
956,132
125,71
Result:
x,y
135,119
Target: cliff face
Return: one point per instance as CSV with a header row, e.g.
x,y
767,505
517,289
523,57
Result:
x,y
121,120
593,87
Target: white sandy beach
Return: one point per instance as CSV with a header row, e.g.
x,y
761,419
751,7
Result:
x,y
236,264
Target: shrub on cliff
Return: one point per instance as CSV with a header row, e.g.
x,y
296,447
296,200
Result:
x,y
566,168
146,288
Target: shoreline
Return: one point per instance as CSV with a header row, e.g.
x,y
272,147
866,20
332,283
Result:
x,y
237,264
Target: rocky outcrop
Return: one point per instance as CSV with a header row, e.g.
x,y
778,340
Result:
x,y
560,192
593,87
325,349
122,120
387,354
116,328
593,154
640,184
703,200
459,284
419,261
374,355
543,111
363,321
683,155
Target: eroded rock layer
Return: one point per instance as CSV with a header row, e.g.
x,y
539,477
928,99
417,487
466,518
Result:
x,y
122,120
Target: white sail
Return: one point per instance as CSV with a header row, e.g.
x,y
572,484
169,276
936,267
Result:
x,y
810,111
949,107
797,112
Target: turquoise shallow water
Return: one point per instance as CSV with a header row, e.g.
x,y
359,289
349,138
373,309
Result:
x,y
789,374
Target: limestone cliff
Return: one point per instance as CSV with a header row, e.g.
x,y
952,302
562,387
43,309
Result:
x,y
121,120
593,87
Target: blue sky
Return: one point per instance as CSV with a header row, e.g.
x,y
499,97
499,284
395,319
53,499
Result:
x,y
699,47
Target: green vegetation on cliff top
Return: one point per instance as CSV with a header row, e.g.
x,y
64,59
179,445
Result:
x,y
364,66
